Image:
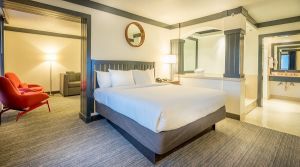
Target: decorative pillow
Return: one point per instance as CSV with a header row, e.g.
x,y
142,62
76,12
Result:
x,y
121,78
142,77
103,79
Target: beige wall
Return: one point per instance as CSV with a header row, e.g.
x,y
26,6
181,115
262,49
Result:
x,y
211,53
25,54
109,43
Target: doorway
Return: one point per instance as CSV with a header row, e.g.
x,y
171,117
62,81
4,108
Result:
x,y
278,83
32,7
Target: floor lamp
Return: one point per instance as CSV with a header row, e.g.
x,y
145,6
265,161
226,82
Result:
x,y
51,58
171,60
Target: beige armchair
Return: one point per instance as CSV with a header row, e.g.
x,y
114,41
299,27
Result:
x,y
70,84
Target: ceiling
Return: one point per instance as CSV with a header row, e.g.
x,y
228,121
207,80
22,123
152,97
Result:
x,y
175,11
42,23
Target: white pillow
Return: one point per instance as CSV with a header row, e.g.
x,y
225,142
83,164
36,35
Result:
x,y
103,79
121,78
142,77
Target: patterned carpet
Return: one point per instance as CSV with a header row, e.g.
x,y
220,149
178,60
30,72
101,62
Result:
x,y
60,138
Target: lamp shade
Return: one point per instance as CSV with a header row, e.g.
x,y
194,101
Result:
x,y
169,59
50,57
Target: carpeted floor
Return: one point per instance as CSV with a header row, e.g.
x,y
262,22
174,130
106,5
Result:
x,y
60,138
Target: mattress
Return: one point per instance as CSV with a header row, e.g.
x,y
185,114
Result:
x,y
161,107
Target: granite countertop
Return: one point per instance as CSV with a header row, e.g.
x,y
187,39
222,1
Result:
x,y
209,76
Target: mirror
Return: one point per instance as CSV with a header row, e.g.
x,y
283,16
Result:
x,y
288,58
135,34
190,55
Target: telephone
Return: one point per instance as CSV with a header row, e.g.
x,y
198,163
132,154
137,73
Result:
x,y
160,80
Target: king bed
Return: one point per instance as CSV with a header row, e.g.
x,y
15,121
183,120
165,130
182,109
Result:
x,y
156,118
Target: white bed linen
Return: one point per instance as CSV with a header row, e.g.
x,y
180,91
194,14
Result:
x,y
161,107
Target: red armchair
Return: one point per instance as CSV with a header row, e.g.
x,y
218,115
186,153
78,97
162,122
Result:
x,y
23,87
11,98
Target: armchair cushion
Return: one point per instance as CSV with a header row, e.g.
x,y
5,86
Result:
x,y
74,84
13,79
21,86
70,83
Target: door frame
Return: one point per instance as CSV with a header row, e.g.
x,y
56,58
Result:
x,y
86,95
260,61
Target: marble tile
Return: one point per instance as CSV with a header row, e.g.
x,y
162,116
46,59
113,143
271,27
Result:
x,y
280,115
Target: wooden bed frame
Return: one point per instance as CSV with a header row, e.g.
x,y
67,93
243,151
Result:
x,y
104,65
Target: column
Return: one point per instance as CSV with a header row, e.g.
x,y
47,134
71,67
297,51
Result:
x,y
234,53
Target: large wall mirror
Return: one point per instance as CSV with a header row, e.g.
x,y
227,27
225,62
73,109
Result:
x,y
204,52
135,34
287,58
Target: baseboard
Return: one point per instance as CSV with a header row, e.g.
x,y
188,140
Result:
x,y
84,118
96,117
53,92
90,119
233,116
285,98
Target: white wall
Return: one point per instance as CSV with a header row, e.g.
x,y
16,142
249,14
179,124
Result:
x,y
108,41
251,61
291,91
26,55
211,54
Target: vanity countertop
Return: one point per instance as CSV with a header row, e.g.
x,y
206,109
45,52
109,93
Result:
x,y
291,76
209,76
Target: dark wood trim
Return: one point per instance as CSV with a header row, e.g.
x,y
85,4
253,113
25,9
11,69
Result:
x,y
260,57
278,22
86,102
53,92
208,31
118,12
220,15
278,53
284,79
290,46
38,8
122,13
191,38
281,43
234,31
233,116
248,17
211,17
1,46
38,32
292,49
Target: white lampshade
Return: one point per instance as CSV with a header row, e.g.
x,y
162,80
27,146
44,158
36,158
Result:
x,y
50,57
169,59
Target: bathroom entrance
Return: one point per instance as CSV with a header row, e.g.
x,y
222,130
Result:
x,y
278,83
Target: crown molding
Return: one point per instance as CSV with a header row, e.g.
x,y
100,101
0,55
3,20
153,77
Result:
x,y
39,32
278,22
118,12
220,15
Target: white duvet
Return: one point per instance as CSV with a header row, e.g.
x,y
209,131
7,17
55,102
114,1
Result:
x,y
161,107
